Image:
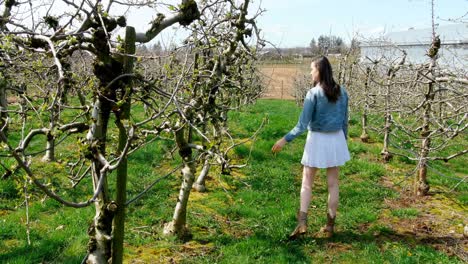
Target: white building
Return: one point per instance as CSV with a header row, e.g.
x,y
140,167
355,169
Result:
x,y
416,42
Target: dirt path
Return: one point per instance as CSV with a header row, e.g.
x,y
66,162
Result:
x,y
279,79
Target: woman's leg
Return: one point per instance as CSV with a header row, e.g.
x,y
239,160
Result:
x,y
308,175
333,190
333,195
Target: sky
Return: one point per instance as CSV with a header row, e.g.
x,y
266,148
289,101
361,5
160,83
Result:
x,y
291,23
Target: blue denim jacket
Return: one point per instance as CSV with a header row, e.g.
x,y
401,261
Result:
x,y
319,114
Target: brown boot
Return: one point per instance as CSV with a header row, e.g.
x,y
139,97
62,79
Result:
x,y
329,229
301,227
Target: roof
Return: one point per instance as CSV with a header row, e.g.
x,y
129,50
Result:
x,y
449,35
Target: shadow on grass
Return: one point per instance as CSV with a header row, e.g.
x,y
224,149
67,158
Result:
x,y
449,244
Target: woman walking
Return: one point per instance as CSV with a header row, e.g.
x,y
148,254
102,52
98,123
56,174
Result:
x,y
325,116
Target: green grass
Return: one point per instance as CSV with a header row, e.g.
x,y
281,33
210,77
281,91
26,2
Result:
x,y
406,212
246,216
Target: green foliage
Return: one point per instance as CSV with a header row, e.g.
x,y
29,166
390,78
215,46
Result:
x,y
356,148
8,189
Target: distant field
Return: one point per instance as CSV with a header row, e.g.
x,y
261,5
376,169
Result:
x,y
279,78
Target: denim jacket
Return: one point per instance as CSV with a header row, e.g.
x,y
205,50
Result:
x,y
319,114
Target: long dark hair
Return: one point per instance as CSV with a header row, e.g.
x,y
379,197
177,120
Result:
x,y
328,84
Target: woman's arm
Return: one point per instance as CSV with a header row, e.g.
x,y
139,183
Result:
x,y
301,126
304,118
278,145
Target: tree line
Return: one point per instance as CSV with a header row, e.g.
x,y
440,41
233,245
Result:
x,y
323,45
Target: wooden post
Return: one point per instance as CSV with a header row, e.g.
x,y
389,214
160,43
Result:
x,y
121,196
282,89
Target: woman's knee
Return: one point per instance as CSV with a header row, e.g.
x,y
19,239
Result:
x,y
332,179
309,171
333,170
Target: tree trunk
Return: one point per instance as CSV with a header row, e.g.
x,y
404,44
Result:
x,y
421,184
199,185
349,81
50,145
60,99
100,231
341,70
364,135
177,225
388,111
121,196
3,105
387,127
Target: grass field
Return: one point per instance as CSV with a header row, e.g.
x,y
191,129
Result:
x,y
246,216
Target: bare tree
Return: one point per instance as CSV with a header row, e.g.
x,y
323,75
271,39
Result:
x,y
180,97
59,38
223,59
423,107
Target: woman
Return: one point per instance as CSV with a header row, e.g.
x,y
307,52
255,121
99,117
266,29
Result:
x,y
325,115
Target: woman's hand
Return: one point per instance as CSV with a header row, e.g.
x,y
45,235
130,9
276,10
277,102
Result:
x,y
278,145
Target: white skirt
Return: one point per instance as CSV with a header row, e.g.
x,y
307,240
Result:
x,y
325,149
